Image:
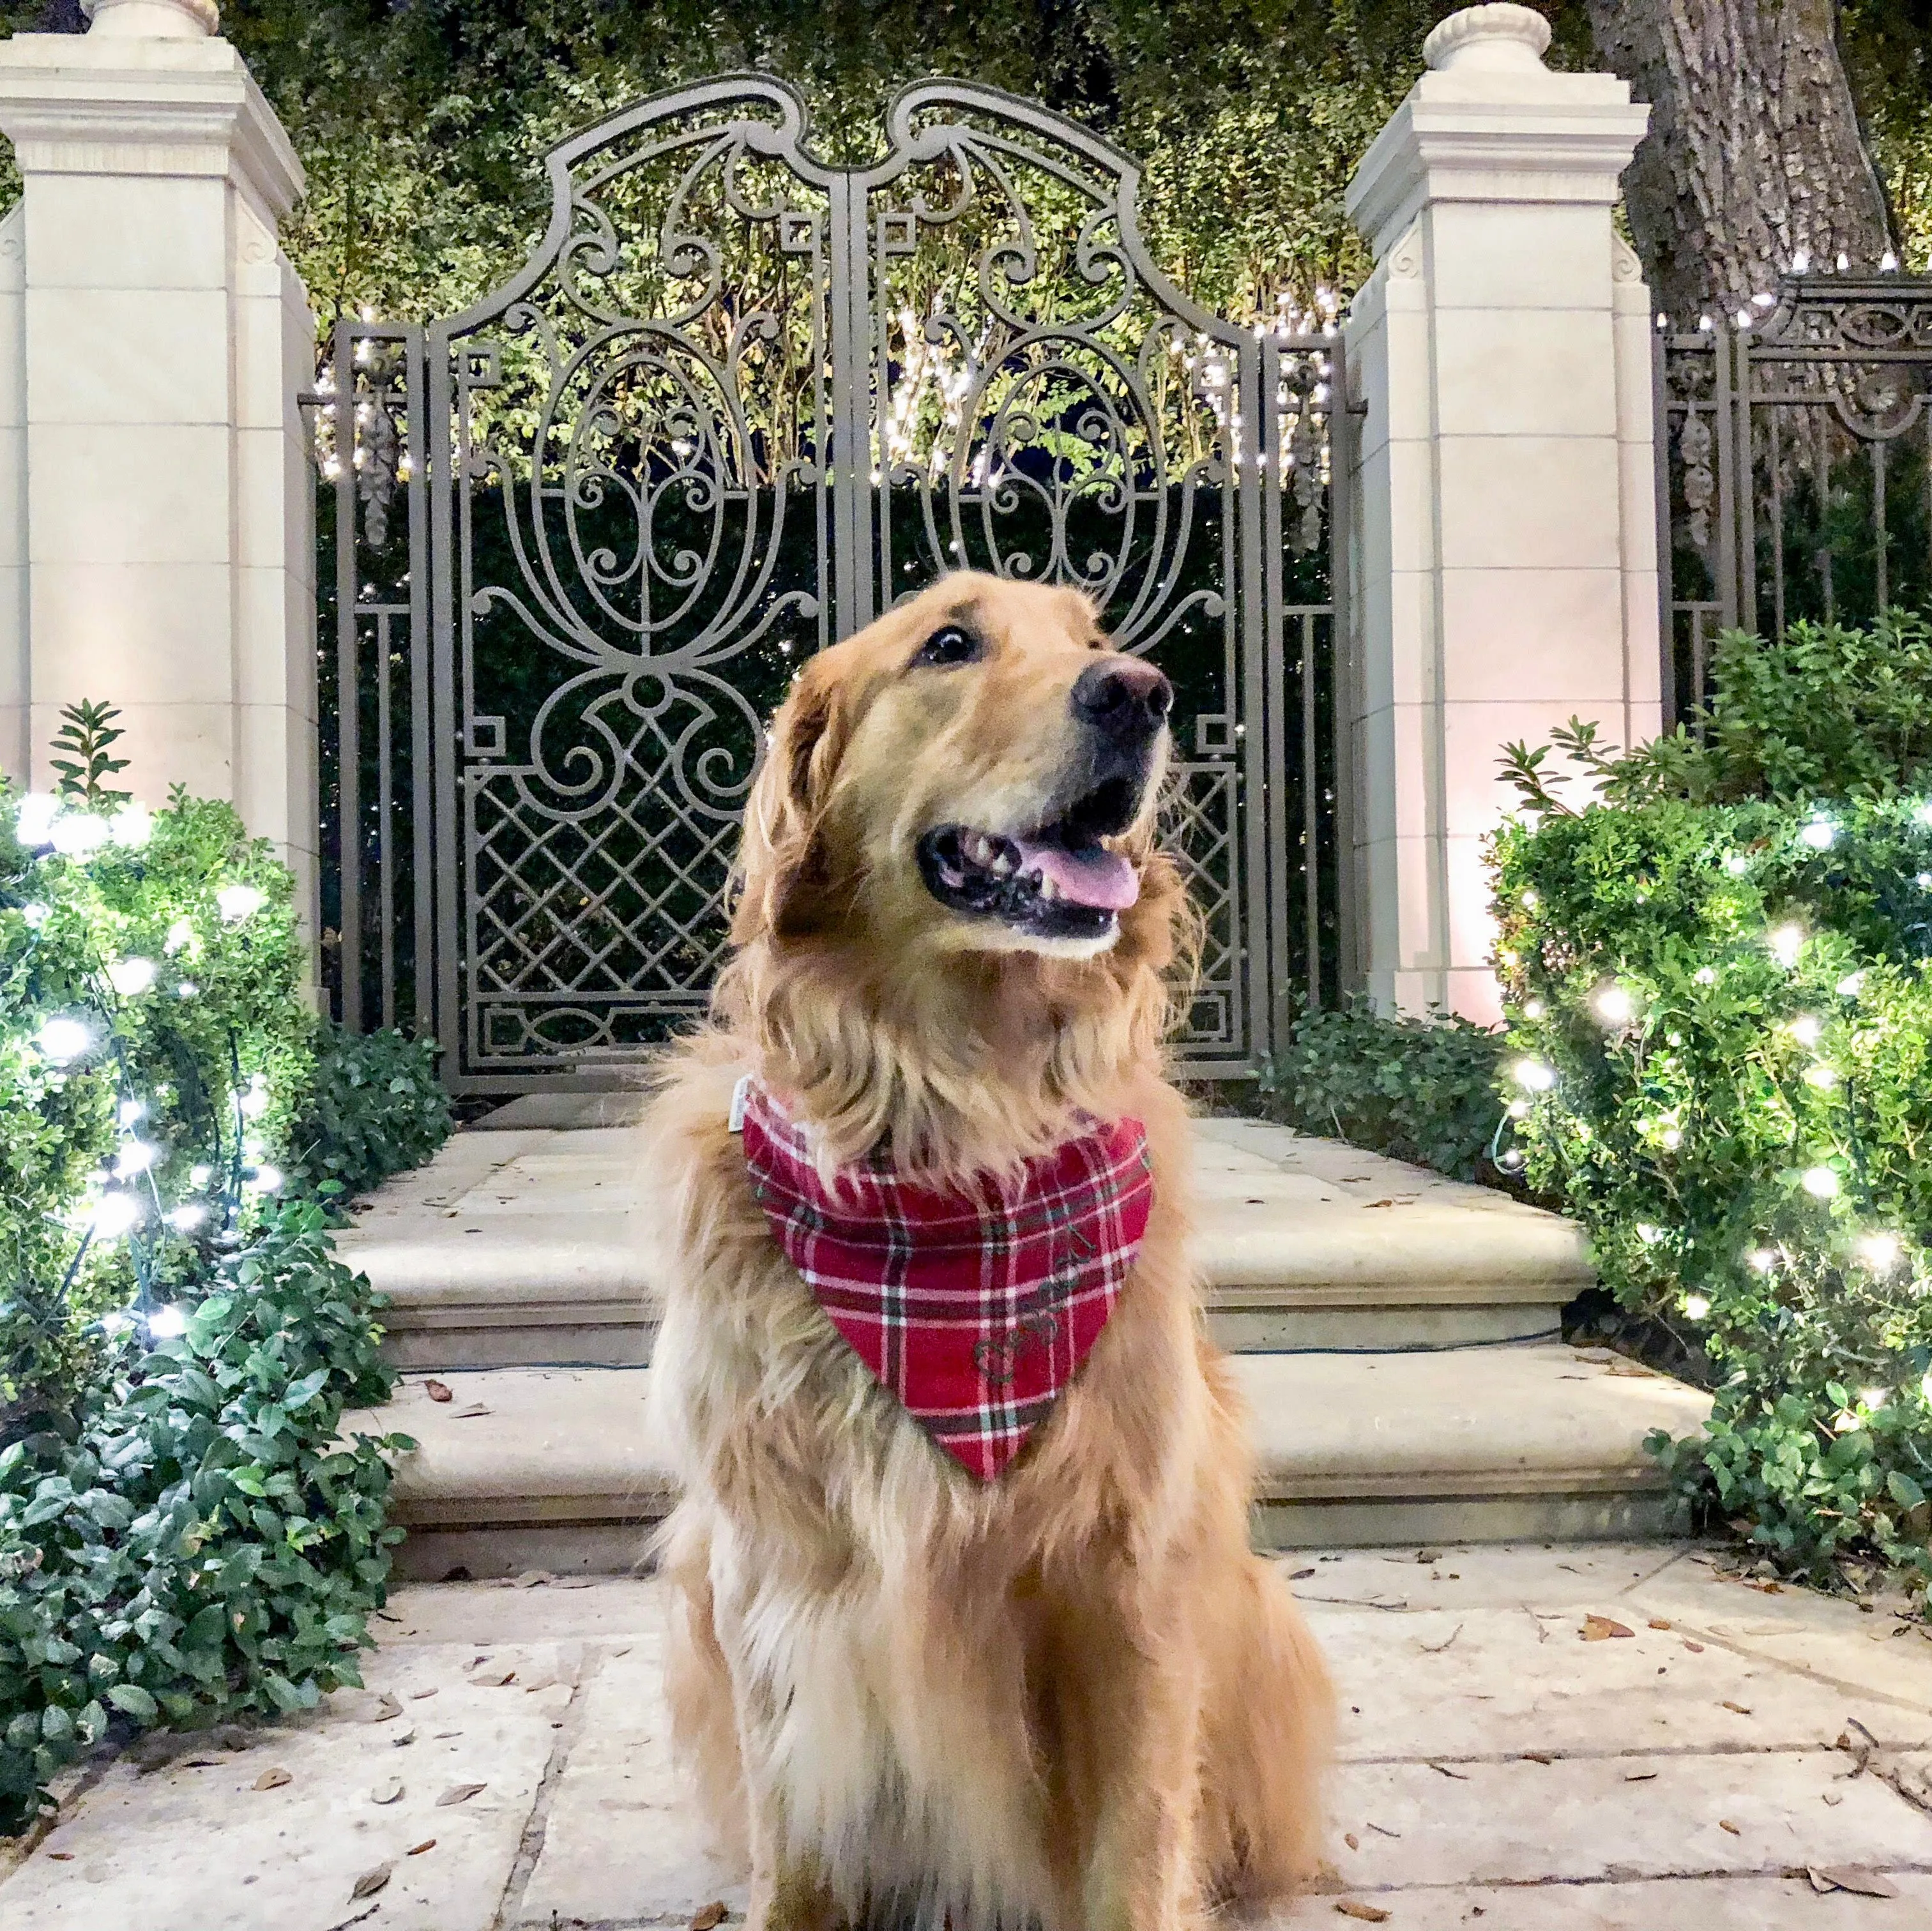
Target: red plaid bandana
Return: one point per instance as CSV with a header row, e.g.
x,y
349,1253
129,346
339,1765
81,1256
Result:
x,y
975,1310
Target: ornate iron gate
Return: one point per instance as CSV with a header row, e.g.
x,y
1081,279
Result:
x,y
739,400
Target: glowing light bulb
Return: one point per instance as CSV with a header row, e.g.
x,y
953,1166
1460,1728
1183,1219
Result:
x,y
200,1176
1648,1233
1880,1251
184,1219
116,1214
36,915
267,1179
135,1156
1805,1029
1533,1008
1785,942
130,1112
1761,1259
1706,975
34,821
1535,1075
1614,1005
132,825
1737,865
238,902
130,978
75,834
1819,834
1823,1078
1821,1182
166,1323
62,1040
1695,1306
180,938
1851,985
1872,1398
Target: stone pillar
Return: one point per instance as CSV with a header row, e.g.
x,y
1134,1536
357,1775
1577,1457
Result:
x,y
1505,573
156,513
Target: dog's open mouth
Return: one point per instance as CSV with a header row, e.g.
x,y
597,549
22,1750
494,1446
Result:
x,y
1060,881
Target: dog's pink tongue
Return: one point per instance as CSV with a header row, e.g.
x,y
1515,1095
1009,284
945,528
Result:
x,y
1102,879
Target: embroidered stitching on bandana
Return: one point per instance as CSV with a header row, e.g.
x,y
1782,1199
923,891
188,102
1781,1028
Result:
x,y
976,1312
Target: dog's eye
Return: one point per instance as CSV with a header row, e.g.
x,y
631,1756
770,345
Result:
x,y
947,647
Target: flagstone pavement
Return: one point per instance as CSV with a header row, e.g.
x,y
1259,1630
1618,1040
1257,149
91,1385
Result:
x,y
1534,1739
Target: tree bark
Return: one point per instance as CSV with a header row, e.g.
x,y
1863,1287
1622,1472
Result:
x,y
1754,158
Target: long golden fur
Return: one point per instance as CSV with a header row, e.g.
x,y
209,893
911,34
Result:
x,y
1072,1695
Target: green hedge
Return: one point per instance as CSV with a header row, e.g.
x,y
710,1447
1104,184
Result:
x,y
1721,1016
181,1535
1422,1089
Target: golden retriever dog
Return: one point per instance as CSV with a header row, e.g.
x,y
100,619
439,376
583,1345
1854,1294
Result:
x,y
1069,1695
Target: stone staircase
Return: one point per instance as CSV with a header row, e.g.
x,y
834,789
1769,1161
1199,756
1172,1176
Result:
x,y
1396,1334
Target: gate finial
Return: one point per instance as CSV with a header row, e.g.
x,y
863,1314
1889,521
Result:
x,y
153,19
1500,37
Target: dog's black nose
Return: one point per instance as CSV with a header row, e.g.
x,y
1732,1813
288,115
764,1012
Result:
x,y
1123,698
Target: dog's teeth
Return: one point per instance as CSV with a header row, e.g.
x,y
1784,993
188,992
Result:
x,y
980,849
1048,888
1003,862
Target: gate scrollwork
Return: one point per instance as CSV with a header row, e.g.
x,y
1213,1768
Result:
x,y
739,400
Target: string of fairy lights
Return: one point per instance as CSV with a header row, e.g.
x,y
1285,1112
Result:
x,y
1620,1005
122,1200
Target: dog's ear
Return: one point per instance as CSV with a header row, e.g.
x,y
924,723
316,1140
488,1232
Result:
x,y
784,862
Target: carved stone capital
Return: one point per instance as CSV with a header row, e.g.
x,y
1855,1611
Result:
x,y
1501,37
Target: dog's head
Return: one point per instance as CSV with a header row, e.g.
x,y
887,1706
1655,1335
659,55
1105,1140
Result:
x,y
976,772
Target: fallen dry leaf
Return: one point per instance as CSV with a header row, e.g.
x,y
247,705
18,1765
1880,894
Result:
x,y
1461,1776
1696,1649
438,1391
1660,1623
534,1578
1537,1756
470,1414
417,1695
387,1791
459,1793
1639,1775
1301,1576
417,1850
708,1917
1834,1798
1853,1878
370,1882
1349,1838
1742,1709
386,1707
1725,1823
271,1780
1370,1914
1600,1629
493,1679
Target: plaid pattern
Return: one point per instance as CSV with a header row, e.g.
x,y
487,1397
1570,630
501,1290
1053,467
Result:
x,y
975,1310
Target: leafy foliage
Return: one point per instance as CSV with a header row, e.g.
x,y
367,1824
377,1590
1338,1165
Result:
x,y
1419,1089
1828,710
1722,1013
422,127
200,1544
80,749
182,1535
374,1107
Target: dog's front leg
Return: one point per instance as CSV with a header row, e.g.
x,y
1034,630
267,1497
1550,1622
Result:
x,y
1142,1716
788,1890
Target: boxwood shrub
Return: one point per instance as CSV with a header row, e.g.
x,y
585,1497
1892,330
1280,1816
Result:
x,y
182,1535
1721,1016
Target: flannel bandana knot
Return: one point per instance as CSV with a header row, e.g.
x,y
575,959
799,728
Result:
x,y
975,1309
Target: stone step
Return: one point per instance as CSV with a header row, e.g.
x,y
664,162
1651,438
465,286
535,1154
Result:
x,y
525,1244
542,1468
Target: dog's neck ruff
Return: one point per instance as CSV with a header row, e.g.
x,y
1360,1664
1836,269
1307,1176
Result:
x,y
974,1308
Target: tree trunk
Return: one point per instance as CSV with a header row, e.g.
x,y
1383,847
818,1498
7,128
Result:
x,y
1754,158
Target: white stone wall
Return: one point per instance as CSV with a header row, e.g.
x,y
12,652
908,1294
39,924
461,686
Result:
x,y
1506,566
